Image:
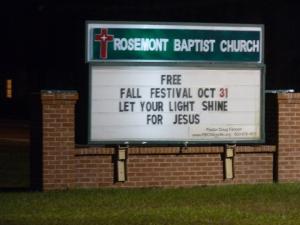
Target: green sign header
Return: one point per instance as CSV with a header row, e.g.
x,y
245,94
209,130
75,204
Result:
x,y
183,43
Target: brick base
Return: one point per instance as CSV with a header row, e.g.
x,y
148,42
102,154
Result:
x,y
66,166
165,170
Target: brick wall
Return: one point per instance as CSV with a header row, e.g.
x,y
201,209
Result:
x,y
173,166
253,168
153,171
289,137
58,141
68,166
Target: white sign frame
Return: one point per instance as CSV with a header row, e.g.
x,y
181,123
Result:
x,y
95,140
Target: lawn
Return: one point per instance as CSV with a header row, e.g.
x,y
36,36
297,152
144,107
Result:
x,y
233,205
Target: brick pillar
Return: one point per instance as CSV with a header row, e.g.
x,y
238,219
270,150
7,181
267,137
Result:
x,y
58,144
289,137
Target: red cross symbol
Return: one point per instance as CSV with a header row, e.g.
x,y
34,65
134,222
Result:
x,y
103,38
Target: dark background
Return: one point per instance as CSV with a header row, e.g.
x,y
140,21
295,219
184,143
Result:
x,y
42,42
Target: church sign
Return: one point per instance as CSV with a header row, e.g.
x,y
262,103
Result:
x,y
186,104
175,83
156,43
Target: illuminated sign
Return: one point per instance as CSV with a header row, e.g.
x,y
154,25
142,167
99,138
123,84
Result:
x,y
169,104
173,42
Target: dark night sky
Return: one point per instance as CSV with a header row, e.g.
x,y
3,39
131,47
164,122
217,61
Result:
x,y
46,38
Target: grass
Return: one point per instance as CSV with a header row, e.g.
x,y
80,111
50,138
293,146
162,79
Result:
x,y
233,205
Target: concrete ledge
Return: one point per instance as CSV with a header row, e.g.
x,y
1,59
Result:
x,y
51,95
256,149
81,151
289,98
